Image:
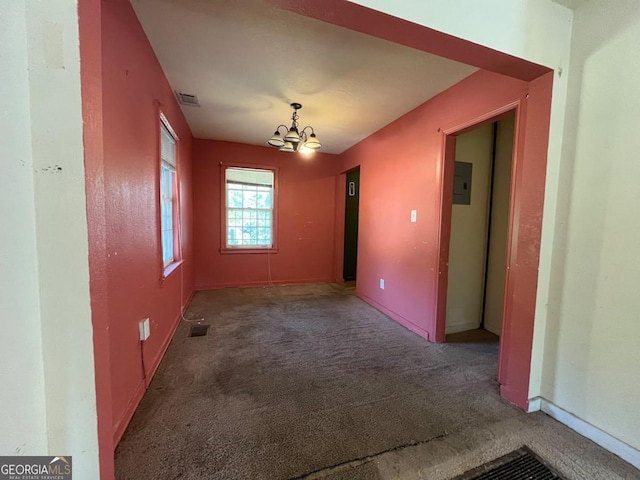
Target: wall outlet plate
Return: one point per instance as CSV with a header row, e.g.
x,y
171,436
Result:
x,y
414,216
382,283
145,329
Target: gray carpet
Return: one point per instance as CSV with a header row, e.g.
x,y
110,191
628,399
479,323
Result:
x,y
299,381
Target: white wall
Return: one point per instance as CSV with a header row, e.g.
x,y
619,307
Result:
x,y
496,264
48,386
535,30
22,397
592,348
468,243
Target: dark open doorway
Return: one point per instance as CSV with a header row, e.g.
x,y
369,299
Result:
x,y
351,210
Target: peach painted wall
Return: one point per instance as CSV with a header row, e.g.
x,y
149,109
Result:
x,y
400,168
90,31
306,209
123,206
394,181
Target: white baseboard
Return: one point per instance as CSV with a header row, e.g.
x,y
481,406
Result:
x,y
606,441
534,405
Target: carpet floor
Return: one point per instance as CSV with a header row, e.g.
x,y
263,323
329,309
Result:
x,y
308,381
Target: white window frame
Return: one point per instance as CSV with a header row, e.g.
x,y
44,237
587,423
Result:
x,y
251,216
168,184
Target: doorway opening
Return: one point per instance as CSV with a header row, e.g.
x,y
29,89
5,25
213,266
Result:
x,y
351,213
479,234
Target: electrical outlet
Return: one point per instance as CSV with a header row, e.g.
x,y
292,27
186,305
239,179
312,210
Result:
x,y
414,216
145,329
382,283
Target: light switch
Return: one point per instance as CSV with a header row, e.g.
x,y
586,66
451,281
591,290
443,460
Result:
x,y
414,216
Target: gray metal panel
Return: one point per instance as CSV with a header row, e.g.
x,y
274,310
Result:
x,y
462,183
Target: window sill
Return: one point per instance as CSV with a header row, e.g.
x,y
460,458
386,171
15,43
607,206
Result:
x,y
169,269
233,251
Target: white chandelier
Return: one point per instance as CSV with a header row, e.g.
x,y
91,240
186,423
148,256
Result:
x,y
294,140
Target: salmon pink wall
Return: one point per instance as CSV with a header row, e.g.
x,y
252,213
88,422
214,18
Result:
x,y
305,210
401,169
128,88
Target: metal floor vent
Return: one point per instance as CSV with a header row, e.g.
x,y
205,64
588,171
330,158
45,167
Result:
x,y
198,330
521,464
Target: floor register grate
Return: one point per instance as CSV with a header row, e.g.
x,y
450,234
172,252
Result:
x,y
198,330
521,464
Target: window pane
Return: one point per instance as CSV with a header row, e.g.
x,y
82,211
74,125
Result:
x,y
263,199
167,246
234,199
249,207
166,212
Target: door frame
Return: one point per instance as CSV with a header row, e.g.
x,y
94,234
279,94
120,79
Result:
x,y
448,149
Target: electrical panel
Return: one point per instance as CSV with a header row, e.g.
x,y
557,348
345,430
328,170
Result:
x,y
462,183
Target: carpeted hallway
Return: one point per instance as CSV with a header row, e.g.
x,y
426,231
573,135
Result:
x,y
308,381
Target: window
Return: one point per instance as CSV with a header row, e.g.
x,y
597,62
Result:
x,y
249,207
168,194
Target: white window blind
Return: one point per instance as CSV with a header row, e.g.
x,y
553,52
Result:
x,y
167,146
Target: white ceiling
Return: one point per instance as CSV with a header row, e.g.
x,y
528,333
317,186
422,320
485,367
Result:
x,y
246,61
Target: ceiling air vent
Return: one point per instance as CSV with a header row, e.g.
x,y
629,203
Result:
x,y
187,99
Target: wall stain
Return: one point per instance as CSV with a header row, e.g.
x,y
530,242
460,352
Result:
x,y
51,169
